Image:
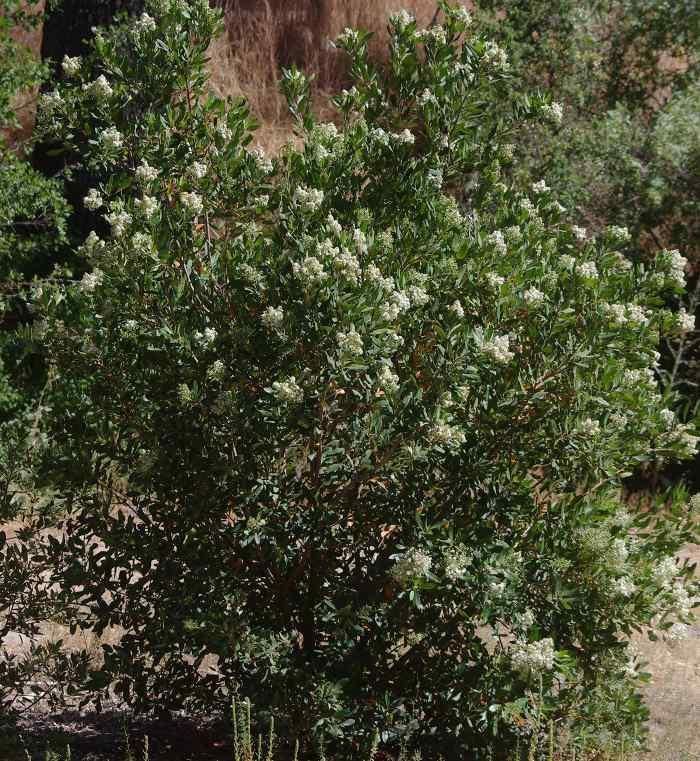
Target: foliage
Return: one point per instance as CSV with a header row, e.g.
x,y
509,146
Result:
x,y
350,423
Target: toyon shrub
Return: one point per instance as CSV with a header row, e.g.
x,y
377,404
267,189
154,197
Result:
x,y
343,430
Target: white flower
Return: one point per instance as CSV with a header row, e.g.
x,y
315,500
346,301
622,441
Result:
x,y
184,394
426,97
494,280
374,275
272,317
401,19
148,205
100,88
310,271
681,599
497,240
533,296
224,132
360,241
288,391
540,187
71,66
624,586
50,102
579,233
91,280
93,243
387,379
350,343
93,200
308,199
264,164
513,233
347,265
405,136
589,427
418,296
192,202
554,112
145,172
685,321
674,264
435,178
463,15
457,309
495,56
111,138
668,418
118,220
694,503
498,348
448,436
619,234
333,224
533,658
216,371
142,243
587,270
379,135
413,564
456,560
665,572
618,553
566,262
198,170
144,23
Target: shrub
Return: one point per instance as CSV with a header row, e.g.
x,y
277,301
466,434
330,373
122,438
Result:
x,y
349,423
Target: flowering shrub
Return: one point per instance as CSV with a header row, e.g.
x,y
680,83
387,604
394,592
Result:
x,y
351,419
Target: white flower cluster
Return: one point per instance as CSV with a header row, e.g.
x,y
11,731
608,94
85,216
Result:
x,y
148,206
457,309
272,317
681,600
145,172
685,321
587,270
387,379
350,343
216,371
554,112
264,163
308,199
665,572
413,564
184,394
99,88
50,102
495,56
533,296
498,348
192,202
288,391
93,200
401,19
310,271
694,503
71,65
589,427
580,233
533,658
144,23
118,220
456,561
497,240
623,314
494,280
639,377
624,586
426,98
197,171
207,337
678,632
142,243
111,138
435,178
674,264
619,234
91,280
540,187
448,436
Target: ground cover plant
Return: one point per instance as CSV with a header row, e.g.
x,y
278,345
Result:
x,y
343,430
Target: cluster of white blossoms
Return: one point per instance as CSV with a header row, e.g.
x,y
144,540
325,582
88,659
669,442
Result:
x,y
111,138
93,200
685,321
497,240
445,435
50,102
624,314
144,23
618,553
197,170
272,317
145,172
308,199
540,187
387,379
264,163
427,98
674,264
494,280
288,391
71,65
457,309
401,19
147,205
554,112
118,221
589,427
668,418
207,337
694,503
587,270
456,561
91,280
498,348
665,572
184,394
216,371
619,234
681,599
678,632
100,88
346,264
192,202
310,271
495,56
350,343
142,243
405,137
643,376
580,233
413,564
435,178
533,658
533,296
624,586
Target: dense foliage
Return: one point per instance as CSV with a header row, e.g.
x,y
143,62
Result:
x,y
343,430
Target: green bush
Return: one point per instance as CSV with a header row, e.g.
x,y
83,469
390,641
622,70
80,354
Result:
x,y
350,423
